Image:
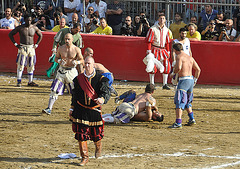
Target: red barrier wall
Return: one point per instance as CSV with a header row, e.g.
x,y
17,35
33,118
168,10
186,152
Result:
x,y
123,56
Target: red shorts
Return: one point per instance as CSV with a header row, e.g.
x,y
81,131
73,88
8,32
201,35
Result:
x,y
163,56
84,133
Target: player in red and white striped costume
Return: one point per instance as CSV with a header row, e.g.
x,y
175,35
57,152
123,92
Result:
x,y
158,39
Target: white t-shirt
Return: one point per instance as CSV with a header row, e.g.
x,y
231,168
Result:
x,y
186,45
71,5
8,23
102,8
233,33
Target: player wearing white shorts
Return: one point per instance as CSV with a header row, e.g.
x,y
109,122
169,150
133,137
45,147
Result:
x,y
68,56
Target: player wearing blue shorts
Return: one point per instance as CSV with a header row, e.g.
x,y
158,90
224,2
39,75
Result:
x,y
184,94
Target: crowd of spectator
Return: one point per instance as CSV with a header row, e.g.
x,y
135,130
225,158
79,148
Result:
x,y
103,18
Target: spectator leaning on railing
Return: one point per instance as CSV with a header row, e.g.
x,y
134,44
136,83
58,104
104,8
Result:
x,y
103,29
192,33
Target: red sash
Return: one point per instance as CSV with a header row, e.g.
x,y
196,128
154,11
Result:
x,y
87,87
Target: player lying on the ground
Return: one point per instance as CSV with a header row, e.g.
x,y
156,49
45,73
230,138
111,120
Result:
x,y
139,108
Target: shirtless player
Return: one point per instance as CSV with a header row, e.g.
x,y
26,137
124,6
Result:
x,y
139,109
184,94
102,69
68,56
26,49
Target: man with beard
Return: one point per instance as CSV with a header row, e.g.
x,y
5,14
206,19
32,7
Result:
x,y
26,49
186,48
68,56
174,27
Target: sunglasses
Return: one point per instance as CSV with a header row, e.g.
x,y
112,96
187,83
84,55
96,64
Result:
x,y
212,23
90,9
127,20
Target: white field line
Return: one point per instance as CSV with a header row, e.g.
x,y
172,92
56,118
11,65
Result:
x,y
179,154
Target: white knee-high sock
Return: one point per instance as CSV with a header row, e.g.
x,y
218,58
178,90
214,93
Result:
x,y
52,100
30,76
151,78
19,75
165,77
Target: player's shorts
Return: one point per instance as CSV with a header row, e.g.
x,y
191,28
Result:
x,y
184,94
84,133
163,56
26,57
124,112
109,76
64,77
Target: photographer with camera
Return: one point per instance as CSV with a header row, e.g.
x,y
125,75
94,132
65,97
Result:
x,y
128,29
91,21
220,21
228,33
210,33
144,25
58,14
44,23
51,6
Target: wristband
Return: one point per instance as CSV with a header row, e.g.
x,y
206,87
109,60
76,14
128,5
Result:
x,y
59,60
15,44
54,50
71,109
36,45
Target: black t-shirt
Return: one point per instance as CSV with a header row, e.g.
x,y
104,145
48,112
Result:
x,y
236,14
128,30
114,19
209,35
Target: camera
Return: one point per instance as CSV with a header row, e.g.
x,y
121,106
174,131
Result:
x,y
143,19
56,14
94,20
224,29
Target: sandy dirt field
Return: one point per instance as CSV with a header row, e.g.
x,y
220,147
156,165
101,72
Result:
x,y
30,139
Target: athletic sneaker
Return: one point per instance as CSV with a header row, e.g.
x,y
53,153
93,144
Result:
x,y
47,111
165,87
112,90
191,122
175,126
32,84
19,84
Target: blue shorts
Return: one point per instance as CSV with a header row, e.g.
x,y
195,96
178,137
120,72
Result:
x,y
184,94
109,76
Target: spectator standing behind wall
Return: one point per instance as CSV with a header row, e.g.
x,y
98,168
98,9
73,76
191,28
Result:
x,y
8,22
194,20
103,29
207,15
51,6
70,8
62,24
91,21
128,28
175,27
100,7
228,33
114,16
220,21
192,33
236,18
210,33
58,14
143,26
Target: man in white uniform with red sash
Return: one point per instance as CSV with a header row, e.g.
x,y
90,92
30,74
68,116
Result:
x,y
158,40
91,90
